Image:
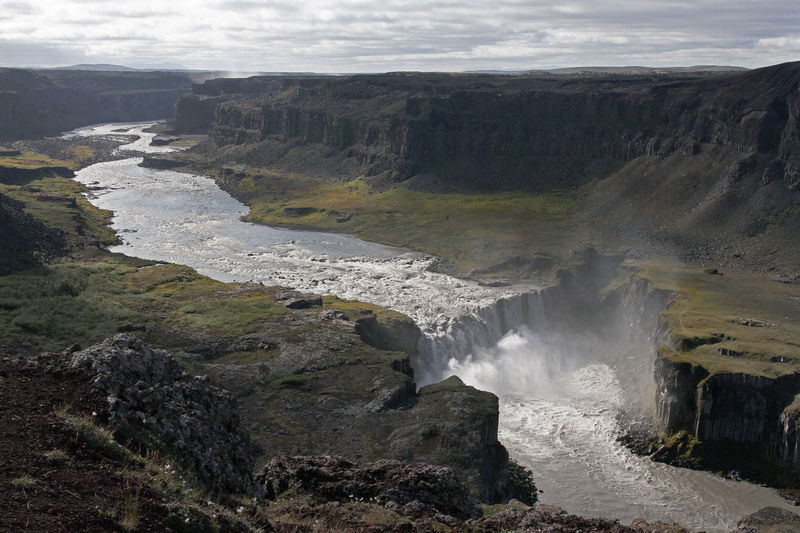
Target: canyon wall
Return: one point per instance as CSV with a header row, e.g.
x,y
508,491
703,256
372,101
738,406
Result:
x,y
736,407
36,103
502,132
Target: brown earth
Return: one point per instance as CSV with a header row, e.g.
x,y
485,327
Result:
x,y
81,492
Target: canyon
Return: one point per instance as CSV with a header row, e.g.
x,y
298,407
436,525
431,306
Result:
x,y
655,239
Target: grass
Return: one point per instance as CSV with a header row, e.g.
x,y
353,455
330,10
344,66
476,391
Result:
x,y
74,215
131,503
705,319
355,309
231,316
56,456
148,475
24,482
471,230
96,436
34,160
50,307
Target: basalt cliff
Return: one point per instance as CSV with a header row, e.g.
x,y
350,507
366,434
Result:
x,y
501,132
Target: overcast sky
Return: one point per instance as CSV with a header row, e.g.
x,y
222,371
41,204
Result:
x,y
387,35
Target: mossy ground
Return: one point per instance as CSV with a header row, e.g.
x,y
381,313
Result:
x,y
733,321
59,203
355,309
28,159
90,294
473,231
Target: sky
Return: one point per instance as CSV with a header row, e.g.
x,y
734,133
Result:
x,y
392,35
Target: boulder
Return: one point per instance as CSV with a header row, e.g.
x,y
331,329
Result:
x,y
410,489
199,421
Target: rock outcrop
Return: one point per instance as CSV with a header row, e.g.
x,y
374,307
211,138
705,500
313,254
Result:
x,y
25,239
410,489
729,407
198,421
456,425
769,520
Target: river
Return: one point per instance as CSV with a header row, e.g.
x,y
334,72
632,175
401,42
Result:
x,y
558,398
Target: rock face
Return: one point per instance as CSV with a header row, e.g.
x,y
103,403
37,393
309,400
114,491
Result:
x,y
787,445
389,335
736,407
454,424
410,489
704,161
25,238
37,103
147,390
770,520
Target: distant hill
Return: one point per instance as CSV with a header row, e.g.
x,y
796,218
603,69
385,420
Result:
x,y
100,67
643,70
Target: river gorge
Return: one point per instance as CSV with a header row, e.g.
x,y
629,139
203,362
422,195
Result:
x,y
564,361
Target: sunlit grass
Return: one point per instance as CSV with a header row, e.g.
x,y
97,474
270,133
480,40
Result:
x,y
709,313
33,160
471,230
50,307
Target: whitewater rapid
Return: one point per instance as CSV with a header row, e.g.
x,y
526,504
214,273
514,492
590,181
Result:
x,y
559,396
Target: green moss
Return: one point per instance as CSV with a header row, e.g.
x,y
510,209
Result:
x,y
708,316
51,307
291,382
471,230
27,159
63,206
233,316
251,357
355,310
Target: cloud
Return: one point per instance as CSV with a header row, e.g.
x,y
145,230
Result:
x,y
21,54
369,35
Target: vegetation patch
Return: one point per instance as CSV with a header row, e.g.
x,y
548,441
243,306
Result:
x,y
355,309
24,482
710,318
477,230
73,158
232,316
59,203
31,160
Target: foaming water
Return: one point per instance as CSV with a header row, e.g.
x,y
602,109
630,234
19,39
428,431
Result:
x,y
559,391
